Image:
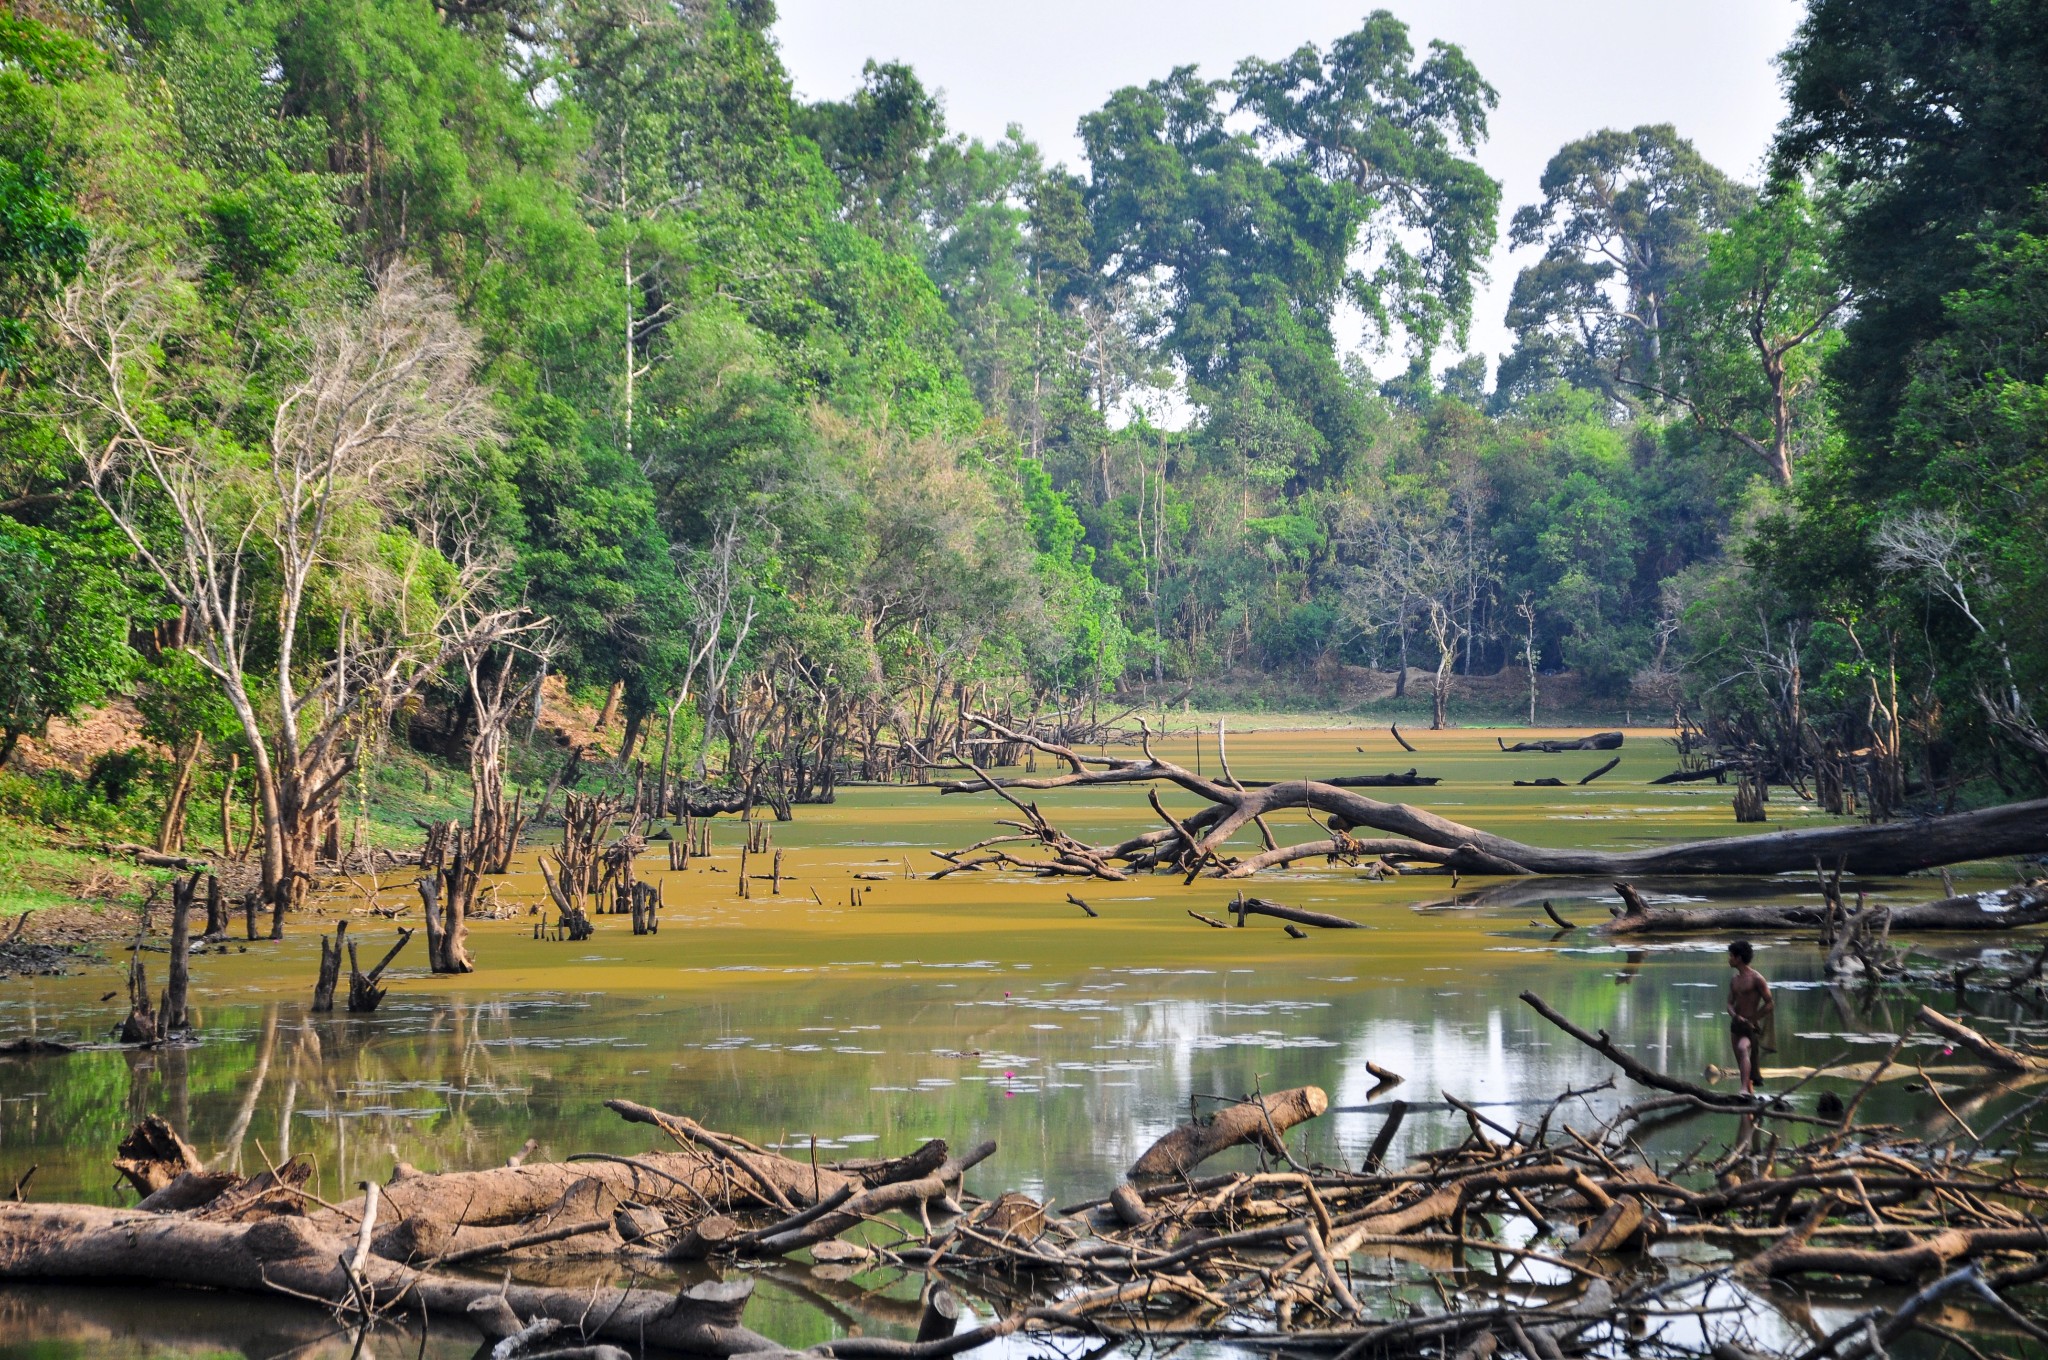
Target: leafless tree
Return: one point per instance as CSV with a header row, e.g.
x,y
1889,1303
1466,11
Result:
x,y
328,510
711,589
1935,546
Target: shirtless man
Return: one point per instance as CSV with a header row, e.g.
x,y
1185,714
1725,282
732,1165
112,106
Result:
x,y
1749,1011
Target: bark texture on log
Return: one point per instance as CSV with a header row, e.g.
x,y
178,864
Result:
x,y
1258,1121
294,1256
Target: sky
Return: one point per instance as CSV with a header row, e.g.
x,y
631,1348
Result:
x,y
1563,68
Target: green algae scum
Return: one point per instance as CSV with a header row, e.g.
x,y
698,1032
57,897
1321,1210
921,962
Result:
x,y
865,1007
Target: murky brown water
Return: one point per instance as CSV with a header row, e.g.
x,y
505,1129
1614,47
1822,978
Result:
x,y
869,1014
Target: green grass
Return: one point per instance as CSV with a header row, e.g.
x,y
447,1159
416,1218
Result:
x,y
38,870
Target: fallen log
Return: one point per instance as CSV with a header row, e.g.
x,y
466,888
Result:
x,y
1260,1122
1902,1265
1884,848
1259,906
292,1257
33,1046
1602,770
1410,780
2004,909
1997,1054
1718,772
1598,741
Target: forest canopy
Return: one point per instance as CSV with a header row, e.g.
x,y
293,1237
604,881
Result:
x,y
360,357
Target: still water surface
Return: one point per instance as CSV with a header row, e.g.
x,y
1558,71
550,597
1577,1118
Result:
x,y
865,1014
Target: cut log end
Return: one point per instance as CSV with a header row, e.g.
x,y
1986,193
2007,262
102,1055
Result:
x,y
1261,1121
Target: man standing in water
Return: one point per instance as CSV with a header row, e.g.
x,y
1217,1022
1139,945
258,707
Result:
x,y
1749,1012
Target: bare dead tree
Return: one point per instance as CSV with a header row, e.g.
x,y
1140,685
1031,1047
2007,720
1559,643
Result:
x,y
494,701
1935,546
383,403
712,654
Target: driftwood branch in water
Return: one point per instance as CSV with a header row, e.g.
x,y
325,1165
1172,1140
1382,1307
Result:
x,y
1259,906
1602,770
294,1257
1198,839
1633,1069
1997,1054
2005,909
1259,1121
1718,772
1599,741
1395,728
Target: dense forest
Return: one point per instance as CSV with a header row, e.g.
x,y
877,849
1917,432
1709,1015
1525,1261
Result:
x,y
364,361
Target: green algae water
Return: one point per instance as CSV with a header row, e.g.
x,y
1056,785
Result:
x,y
866,1007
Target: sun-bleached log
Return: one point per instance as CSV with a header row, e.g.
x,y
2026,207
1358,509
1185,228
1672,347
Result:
x,y
294,1257
1260,1121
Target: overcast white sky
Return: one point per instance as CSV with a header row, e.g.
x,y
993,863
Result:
x,y
1563,68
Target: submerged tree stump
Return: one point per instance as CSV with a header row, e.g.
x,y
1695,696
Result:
x,y
1750,792
330,969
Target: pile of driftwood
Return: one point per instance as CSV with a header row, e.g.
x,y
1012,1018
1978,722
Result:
x,y
1533,1229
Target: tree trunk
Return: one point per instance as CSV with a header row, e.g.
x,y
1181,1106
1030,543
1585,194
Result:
x,y
636,717
170,833
330,969
611,705
171,1013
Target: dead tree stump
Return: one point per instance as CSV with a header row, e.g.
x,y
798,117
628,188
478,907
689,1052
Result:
x,y
364,995
140,1026
216,910
177,983
330,969
1749,799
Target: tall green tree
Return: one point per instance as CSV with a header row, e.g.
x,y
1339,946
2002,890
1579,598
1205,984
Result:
x,y
1624,217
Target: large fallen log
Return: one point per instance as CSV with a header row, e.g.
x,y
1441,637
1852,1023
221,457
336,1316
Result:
x,y
295,1257
1599,741
1886,848
2003,909
1261,1122
1410,780
1991,1051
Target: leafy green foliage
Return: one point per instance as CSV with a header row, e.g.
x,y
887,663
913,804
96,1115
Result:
x,y
63,629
